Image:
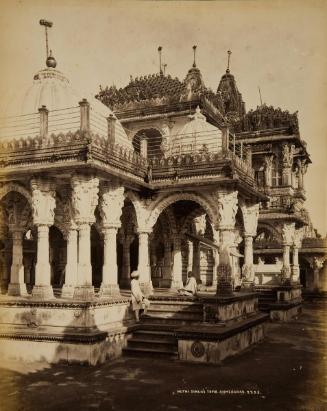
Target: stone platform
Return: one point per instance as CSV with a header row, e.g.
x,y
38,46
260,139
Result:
x,y
62,330
283,302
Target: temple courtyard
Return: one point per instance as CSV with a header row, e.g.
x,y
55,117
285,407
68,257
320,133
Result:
x,y
287,371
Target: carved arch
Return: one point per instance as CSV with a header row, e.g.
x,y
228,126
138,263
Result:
x,y
269,228
163,203
7,188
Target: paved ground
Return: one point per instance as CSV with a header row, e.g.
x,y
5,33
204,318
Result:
x,y
287,372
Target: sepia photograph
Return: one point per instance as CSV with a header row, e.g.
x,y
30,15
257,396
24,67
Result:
x,y
163,205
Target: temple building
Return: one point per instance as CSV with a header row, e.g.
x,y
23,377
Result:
x,y
162,176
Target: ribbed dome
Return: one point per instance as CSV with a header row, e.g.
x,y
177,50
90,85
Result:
x,y
197,135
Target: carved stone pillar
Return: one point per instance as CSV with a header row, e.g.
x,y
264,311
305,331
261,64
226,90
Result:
x,y
190,255
268,170
71,265
227,205
167,259
43,206
177,280
298,235
111,203
196,259
17,285
126,269
288,154
302,169
250,218
84,200
288,230
144,263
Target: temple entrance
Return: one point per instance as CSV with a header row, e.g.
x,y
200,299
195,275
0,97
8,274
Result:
x,y
182,241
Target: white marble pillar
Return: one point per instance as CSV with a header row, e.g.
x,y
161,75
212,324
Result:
x,y
126,268
144,263
190,256
196,260
42,287
109,286
288,232
177,281
17,285
295,265
250,214
71,265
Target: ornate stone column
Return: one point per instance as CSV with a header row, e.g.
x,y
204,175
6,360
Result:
x,y
196,259
288,230
71,265
126,269
297,240
268,170
111,204
250,220
84,200
167,259
43,206
288,154
177,279
17,285
190,255
302,169
144,263
227,205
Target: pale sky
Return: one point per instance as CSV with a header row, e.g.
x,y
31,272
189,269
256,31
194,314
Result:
x,y
277,45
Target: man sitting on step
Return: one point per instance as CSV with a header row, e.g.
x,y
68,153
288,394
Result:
x,y
191,286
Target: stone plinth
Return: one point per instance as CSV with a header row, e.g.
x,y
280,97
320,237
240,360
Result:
x,y
53,331
231,324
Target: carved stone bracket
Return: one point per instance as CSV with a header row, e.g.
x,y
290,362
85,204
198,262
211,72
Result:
x,y
43,201
84,198
250,219
227,204
288,231
111,204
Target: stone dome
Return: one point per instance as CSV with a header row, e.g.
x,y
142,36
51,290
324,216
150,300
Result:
x,y
197,136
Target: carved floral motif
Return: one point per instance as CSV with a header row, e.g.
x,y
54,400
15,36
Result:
x,y
111,204
250,219
288,154
288,231
227,208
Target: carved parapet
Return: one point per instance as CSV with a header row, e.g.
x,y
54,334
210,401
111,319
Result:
x,y
84,198
43,201
111,204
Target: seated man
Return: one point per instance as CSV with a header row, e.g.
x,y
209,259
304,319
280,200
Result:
x,y
191,286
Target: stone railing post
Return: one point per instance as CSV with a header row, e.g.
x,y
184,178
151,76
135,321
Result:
x,y
111,129
44,122
85,115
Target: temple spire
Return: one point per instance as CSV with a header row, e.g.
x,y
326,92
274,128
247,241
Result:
x,y
228,60
160,64
194,56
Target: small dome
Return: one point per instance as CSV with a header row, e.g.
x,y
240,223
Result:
x,y
50,88
197,136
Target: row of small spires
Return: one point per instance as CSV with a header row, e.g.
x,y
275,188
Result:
x,y
162,71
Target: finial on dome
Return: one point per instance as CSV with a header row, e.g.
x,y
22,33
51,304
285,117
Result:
x,y
228,60
160,65
194,55
51,61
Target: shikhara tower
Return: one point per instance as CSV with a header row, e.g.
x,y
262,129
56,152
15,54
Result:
x,y
164,176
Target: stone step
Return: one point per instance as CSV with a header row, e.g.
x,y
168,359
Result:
x,y
169,321
176,309
150,352
174,315
162,345
154,334
175,303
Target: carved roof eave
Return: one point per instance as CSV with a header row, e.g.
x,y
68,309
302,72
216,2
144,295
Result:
x,y
281,216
